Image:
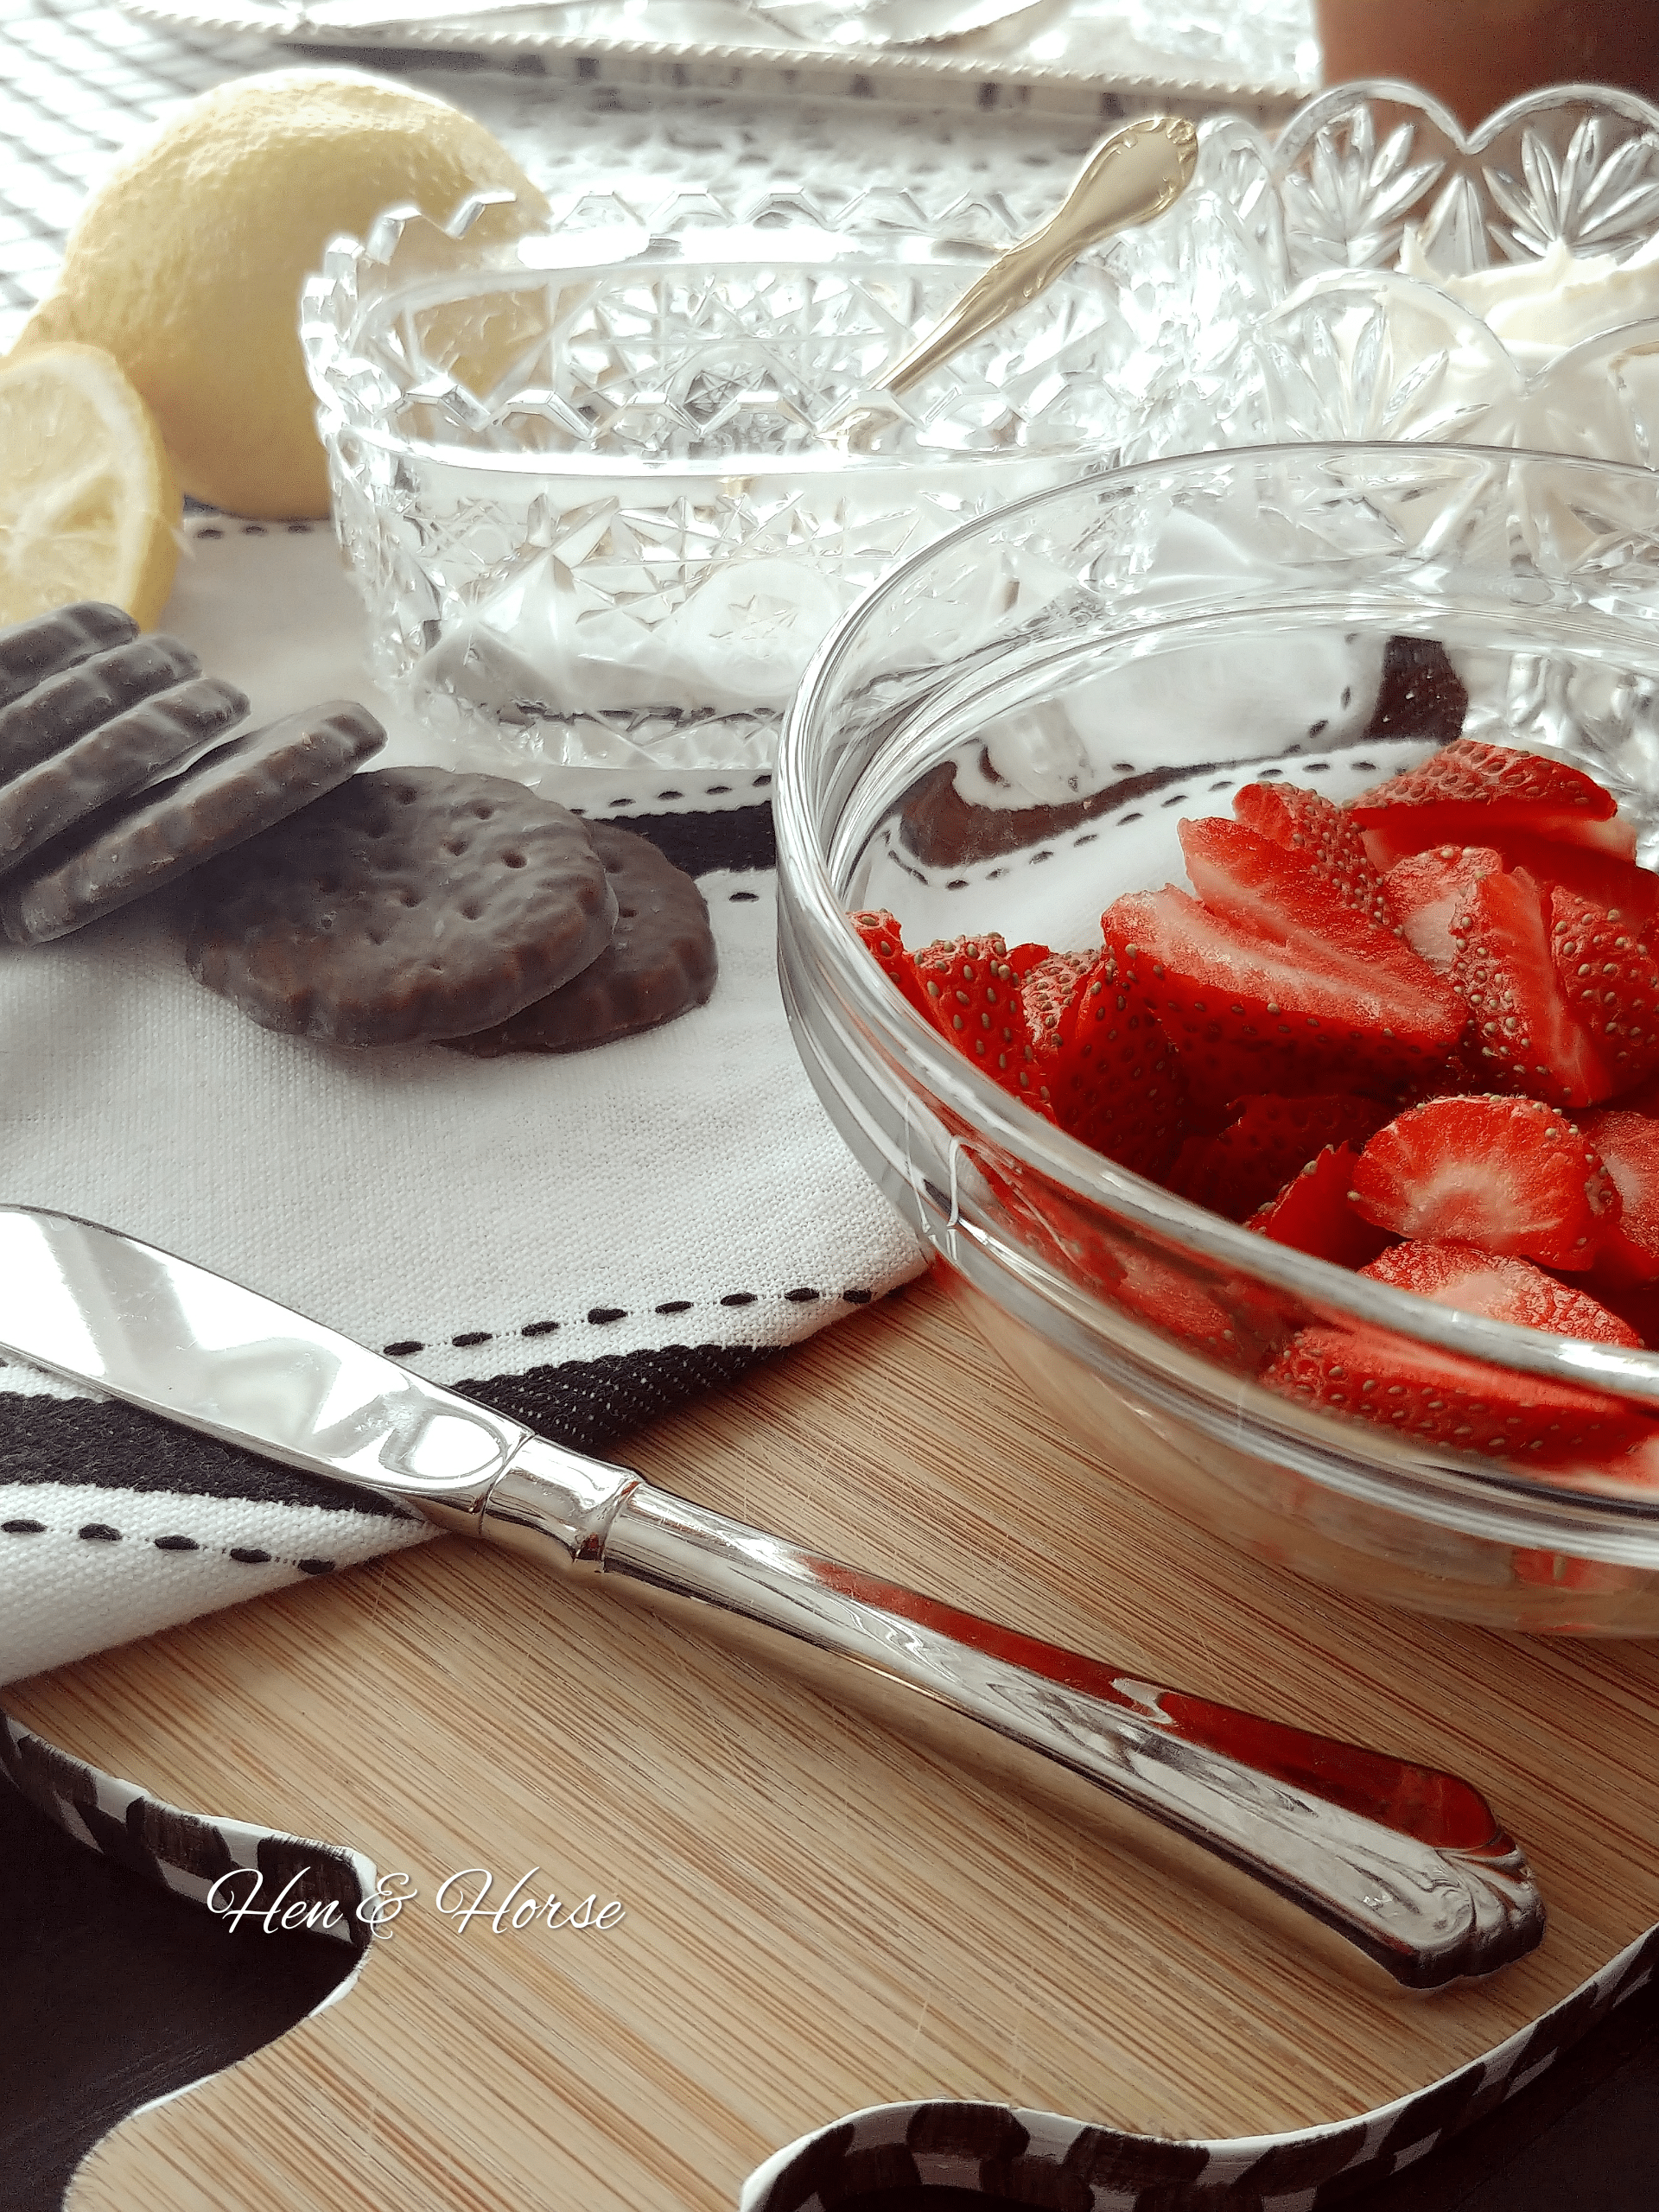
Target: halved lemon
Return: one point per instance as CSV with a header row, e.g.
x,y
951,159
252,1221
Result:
x,y
89,507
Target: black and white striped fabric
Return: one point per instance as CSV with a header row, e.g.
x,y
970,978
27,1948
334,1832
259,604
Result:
x,y
581,1241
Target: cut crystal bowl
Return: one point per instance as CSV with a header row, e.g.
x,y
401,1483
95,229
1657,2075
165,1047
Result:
x,y
593,484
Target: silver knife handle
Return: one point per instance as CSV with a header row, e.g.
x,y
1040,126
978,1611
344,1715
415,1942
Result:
x,y
1408,1864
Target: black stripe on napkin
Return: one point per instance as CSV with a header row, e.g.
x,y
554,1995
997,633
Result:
x,y
740,838
586,1403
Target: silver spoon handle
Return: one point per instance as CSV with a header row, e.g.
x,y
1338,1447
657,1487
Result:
x,y
1409,1864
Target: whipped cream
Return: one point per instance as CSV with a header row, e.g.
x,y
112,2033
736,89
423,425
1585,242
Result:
x,y
1538,308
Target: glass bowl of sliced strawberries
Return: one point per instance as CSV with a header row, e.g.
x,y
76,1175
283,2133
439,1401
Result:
x,y
1214,906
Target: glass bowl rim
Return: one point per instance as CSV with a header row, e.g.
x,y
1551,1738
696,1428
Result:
x,y
917,1048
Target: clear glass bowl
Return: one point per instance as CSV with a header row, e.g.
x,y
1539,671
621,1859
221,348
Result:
x,y
590,483
1003,735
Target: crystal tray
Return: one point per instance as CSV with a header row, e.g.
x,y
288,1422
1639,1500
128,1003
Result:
x,y
1083,58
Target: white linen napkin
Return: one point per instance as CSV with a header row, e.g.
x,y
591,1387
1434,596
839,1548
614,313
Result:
x,y
584,1239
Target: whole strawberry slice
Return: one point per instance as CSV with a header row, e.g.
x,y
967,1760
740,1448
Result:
x,y
1629,1146
1509,1174
1326,838
1424,890
1102,1061
973,997
1610,976
1527,1037
1287,990
1313,1213
1469,788
1441,1398
1269,1139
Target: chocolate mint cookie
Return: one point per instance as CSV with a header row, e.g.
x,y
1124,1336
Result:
x,y
410,904
64,707
116,758
32,650
137,844
659,962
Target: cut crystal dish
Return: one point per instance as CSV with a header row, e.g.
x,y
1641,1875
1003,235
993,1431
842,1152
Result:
x,y
1368,204
591,484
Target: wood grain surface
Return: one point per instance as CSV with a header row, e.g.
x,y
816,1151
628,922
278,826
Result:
x,y
816,1917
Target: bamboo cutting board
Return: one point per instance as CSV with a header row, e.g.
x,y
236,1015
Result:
x,y
816,1917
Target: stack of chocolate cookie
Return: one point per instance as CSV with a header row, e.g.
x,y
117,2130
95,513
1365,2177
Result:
x,y
399,907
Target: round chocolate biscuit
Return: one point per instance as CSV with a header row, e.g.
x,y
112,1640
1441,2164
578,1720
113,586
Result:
x,y
137,845
409,905
660,960
119,756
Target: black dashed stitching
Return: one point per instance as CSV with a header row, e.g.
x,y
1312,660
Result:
x,y
402,1351
99,1532
249,1555
315,1565
539,1328
210,533
856,1297
469,1337
24,1527
603,1314
254,530
744,898
671,794
738,1298
761,782
675,1306
802,1297
716,791
176,1544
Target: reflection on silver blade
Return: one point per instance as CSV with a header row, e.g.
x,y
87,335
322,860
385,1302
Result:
x,y
98,1307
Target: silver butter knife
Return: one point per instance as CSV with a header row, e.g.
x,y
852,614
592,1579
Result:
x,y
1408,1864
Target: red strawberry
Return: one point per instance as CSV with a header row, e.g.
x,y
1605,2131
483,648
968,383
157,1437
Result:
x,y
1102,1064
1629,1146
1633,892
1438,1397
973,997
1327,840
1529,1040
1506,1174
884,941
1269,1139
1469,788
1424,892
1609,977
1313,1214
1336,1005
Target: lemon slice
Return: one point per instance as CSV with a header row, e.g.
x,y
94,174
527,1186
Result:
x,y
89,508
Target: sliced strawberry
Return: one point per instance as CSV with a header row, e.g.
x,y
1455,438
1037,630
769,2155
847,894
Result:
x,y
1324,837
1631,892
1337,1007
1635,1304
1508,1174
1529,1039
1629,1146
1469,788
884,941
1102,1061
1439,1397
1268,1141
1425,890
1610,976
1313,1213
972,996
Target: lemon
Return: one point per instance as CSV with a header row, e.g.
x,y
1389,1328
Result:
x,y
89,508
186,265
